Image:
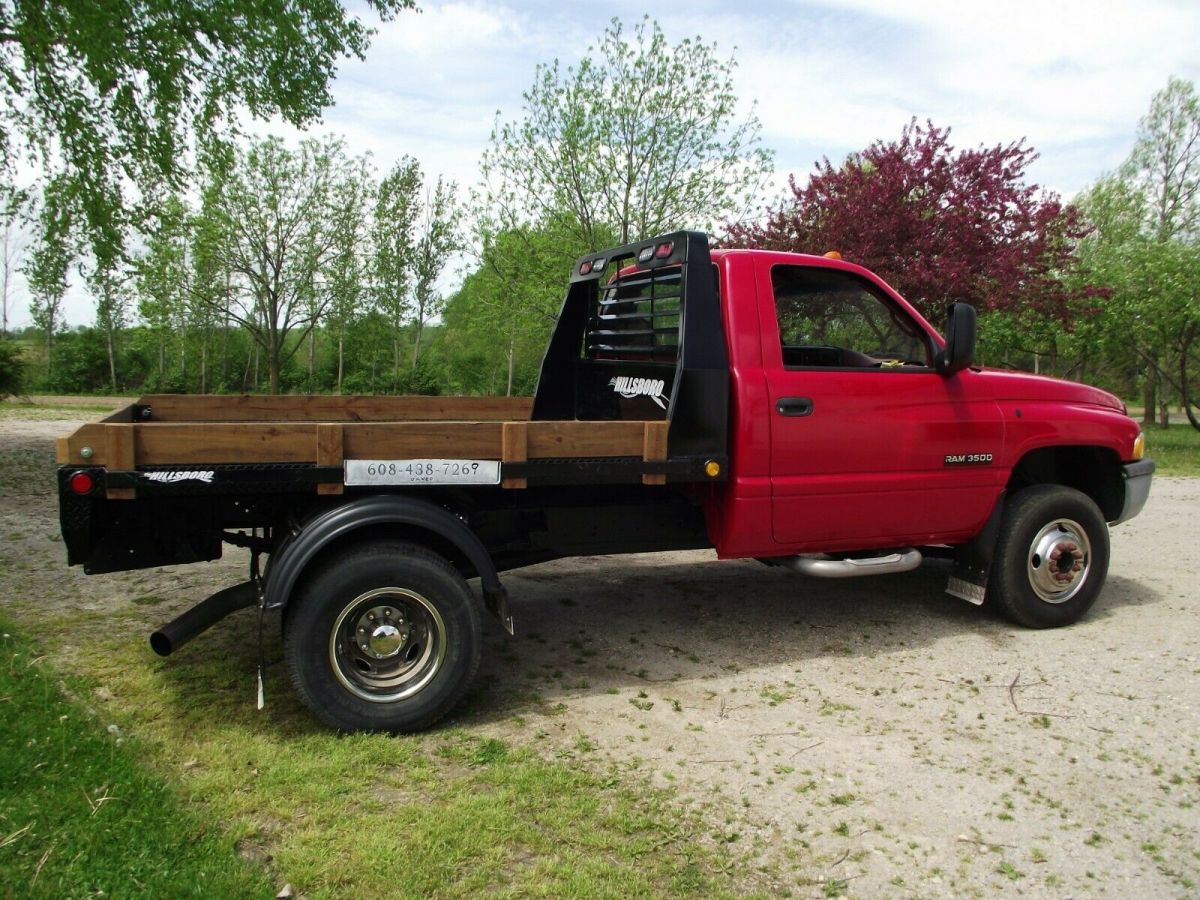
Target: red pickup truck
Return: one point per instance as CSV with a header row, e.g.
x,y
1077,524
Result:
x,y
784,407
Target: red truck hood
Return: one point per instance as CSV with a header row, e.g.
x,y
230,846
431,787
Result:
x,y
1005,384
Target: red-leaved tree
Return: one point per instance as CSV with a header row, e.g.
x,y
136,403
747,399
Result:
x,y
937,224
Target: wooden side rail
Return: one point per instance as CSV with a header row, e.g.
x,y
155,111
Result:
x,y
325,408
123,446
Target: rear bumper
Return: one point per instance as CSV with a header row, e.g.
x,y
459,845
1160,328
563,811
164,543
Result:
x,y
1137,488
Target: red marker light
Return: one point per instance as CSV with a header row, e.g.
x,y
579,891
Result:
x,y
82,483
585,267
662,251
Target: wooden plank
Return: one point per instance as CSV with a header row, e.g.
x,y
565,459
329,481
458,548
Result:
x,y
514,440
421,440
584,439
654,448
119,455
62,451
91,435
329,453
316,408
159,443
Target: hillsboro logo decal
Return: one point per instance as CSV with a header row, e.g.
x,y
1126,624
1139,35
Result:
x,y
640,387
172,477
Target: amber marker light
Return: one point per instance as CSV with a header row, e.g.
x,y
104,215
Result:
x,y
833,254
1139,446
712,468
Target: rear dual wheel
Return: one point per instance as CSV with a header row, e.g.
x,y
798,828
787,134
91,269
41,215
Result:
x,y
383,637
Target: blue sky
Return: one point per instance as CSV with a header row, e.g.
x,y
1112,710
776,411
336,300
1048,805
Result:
x,y
825,79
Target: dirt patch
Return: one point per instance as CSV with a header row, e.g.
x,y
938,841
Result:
x,y
873,737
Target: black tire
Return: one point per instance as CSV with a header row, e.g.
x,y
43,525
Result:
x,y
1051,557
382,637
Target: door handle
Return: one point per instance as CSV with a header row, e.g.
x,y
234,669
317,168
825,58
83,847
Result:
x,y
794,406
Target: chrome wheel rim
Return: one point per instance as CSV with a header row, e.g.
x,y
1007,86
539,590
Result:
x,y
1059,560
387,644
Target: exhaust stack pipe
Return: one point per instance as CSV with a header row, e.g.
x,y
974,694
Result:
x,y
202,616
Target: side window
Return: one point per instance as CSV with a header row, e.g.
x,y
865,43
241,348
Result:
x,y
832,318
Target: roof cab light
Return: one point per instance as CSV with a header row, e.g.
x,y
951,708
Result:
x,y
646,253
585,267
663,250
81,483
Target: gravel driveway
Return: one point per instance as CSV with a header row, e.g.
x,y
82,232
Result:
x,y
873,737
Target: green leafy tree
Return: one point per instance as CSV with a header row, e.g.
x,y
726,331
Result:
x,y
348,271
110,287
13,208
46,271
393,236
163,278
1146,247
278,214
642,137
436,241
110,95
12,369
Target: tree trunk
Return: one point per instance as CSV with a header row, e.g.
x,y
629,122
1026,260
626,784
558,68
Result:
x,y
112,358
341,360
416,342
1149,394
312,355
508,391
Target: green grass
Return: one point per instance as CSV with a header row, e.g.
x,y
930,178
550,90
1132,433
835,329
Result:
x,y
454,812
79,814
19,409
1175,450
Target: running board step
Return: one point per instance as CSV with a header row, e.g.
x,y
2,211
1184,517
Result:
x,y
903,561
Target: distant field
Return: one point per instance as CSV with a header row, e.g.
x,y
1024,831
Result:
x,y
1175,450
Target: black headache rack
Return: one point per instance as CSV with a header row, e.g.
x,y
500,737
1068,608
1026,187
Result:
x,y
640,336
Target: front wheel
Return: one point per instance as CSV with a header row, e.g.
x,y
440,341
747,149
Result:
x,y
383,637
1051,557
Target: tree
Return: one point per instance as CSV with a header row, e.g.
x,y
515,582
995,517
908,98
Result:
x,y
348,269
111,289
439,223
278,214
1163,175
642,137
513,297
108,94
46,270
1145,245
13,206
163,277
937,224
397,208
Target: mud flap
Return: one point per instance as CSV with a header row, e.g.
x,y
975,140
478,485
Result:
x,y
973,561
496,601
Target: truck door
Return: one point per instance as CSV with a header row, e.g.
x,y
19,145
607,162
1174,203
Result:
x,y
870,446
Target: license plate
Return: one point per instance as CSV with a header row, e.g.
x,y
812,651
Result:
x,y
422,471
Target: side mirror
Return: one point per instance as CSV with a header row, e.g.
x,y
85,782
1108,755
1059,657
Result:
x,y
960,339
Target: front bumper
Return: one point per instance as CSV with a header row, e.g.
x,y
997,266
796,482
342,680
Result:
x,y
1137,488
